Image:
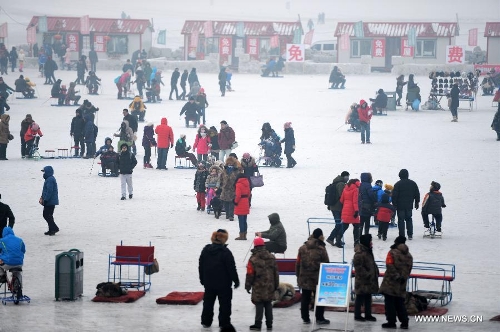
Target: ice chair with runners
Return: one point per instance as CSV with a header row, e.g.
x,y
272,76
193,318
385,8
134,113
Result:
x,y
432,232
14,286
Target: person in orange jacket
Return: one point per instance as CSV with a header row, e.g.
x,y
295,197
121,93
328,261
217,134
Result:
x,y
30,137
165,139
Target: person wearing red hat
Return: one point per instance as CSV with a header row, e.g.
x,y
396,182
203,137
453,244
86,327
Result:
x,y
262,279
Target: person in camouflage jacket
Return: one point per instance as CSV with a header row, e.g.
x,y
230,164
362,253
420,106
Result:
x,y
227,183
399,263
366,278
311,254
263,279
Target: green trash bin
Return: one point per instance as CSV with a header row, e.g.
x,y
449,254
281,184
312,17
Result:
x,y
69,275
391,100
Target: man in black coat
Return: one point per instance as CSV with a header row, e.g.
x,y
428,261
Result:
x,y
6,214
184,78
404,195
93,59
192,111
77,125
380,102
87,108
173,84
217,271
49,68
126,164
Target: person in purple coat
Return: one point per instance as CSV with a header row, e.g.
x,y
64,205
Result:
x,y
148,141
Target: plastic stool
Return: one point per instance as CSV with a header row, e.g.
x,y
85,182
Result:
x,y
50,154
74,148
62,153
184,162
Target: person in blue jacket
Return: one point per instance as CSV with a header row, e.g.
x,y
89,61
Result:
x,y
103,149
49,199
12,251
366,201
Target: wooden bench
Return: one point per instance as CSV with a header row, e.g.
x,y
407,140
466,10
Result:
x,y
444,274
141,257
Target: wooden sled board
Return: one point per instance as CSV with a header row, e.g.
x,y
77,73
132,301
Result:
x,y
57,105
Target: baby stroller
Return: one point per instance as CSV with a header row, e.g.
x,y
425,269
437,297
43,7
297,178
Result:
x,y
213,202
270,153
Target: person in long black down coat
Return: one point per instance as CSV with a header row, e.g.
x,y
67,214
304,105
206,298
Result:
x,y
289,141
217,271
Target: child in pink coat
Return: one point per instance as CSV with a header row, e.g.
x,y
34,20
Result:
x,y
202,143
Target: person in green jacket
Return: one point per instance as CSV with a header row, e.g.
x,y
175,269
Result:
x,y
276,235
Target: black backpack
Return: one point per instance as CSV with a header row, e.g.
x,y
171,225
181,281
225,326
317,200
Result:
x,y
331,196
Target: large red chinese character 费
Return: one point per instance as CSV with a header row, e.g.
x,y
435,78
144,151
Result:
x,y
455,54
295,53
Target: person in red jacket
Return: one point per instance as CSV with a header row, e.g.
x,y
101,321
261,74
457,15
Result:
x,y
385,212
350,210
165,139
242,203
365,115
30,137
202,143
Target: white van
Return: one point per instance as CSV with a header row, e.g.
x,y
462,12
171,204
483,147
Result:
x,y
324,46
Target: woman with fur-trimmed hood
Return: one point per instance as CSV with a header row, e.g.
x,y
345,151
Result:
x,y
399,263
5,135
126,135
228,179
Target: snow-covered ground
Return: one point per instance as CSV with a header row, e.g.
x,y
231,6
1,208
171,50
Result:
x,y
464,157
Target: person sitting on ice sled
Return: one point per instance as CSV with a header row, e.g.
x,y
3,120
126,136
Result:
x,y
109,160
336,78
432,204
269,68
137,108
270,141
352,117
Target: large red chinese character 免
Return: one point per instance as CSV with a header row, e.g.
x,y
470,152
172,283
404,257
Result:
x,y
455,54
295,53
225,42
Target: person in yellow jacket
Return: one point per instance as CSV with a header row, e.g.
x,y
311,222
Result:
x,y
138,108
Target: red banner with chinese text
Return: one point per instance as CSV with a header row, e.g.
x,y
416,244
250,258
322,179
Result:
x,y
4,31
208,30
194,39
225,45
275,41
253,48
99,43
378,48
72,41
406,49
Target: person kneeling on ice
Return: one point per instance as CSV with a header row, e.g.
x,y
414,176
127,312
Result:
x,y
109,160
432,204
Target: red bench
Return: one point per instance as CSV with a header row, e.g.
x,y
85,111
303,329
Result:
x,y
140,256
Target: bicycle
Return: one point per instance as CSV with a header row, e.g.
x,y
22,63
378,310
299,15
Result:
x,y
14,285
